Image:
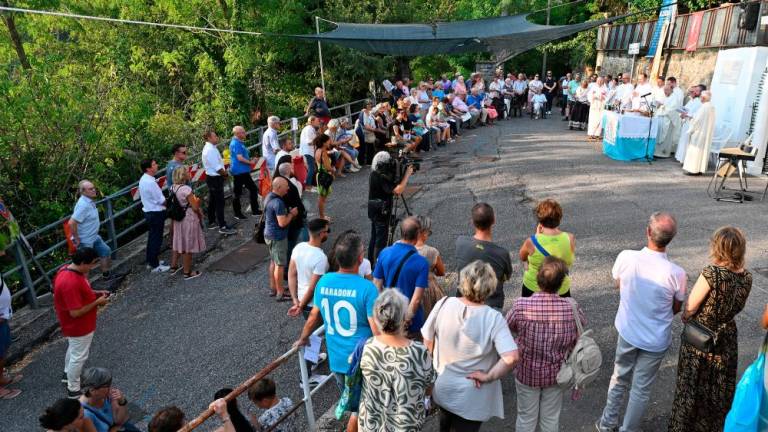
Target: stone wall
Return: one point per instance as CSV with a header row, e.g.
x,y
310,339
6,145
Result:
x,y
688,67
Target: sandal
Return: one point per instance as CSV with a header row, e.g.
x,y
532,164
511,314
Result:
x,y
8,394
13,380
174,270
282,299
194,274
272,294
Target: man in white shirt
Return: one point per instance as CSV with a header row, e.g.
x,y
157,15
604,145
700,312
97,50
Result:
x,y
642,94
215,175
270,142
308,264
153,205
307,149
652,290
622,97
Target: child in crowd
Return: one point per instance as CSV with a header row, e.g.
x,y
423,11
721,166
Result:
x,y
263,394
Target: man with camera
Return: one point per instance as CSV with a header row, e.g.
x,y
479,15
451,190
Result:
x,y
385,183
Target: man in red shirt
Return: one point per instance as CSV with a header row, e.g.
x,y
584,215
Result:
x,y
76,305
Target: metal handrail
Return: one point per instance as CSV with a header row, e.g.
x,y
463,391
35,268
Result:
x,y
31,288
274,364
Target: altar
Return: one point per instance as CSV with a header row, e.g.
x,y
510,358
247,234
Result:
x,y
624,136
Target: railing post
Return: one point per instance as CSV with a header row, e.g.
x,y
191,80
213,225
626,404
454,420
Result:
x,y
295,132
111,227
307,393
25,276
348,111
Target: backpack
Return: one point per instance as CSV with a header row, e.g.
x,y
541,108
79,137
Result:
x,y
581,366
174,208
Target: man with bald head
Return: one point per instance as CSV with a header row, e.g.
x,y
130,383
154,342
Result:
x,y
400,266
241,172
652,290
84,226
277,219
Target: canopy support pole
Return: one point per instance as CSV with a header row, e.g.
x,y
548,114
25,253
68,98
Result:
x,y
320,55
544,57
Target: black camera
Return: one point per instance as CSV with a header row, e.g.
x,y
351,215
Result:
x,y
395,168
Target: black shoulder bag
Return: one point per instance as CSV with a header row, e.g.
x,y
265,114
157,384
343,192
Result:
x,y
697,334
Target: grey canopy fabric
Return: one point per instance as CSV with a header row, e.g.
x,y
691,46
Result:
x,y
506,36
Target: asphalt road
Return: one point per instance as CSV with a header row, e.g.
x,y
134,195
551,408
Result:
x,y
170,341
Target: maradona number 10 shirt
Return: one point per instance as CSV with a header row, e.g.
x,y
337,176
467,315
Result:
x,y
346,303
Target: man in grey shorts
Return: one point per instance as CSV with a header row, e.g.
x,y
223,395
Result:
x,y
84,226
276,222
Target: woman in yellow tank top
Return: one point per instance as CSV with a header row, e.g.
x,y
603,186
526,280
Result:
x,y
549,240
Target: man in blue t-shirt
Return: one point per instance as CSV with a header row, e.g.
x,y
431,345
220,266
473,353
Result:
x,y
413,277
344,301
276,221
241,172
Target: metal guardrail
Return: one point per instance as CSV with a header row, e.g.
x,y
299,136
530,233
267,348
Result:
x,y
719,29
242,388
120,218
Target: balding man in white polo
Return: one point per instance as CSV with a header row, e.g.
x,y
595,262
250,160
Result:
x,y
84,226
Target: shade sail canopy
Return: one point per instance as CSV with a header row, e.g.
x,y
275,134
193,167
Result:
x,y
506,36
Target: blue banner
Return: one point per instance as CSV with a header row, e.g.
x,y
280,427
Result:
x,y
668,9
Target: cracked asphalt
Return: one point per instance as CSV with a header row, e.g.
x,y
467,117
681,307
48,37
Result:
x,y
169,341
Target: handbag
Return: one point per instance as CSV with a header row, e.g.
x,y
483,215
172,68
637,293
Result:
x,y
324,179
697,334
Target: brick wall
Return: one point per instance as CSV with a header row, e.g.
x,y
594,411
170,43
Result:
x,y
688,67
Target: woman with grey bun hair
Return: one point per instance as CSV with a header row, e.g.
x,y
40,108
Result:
x,y
473,348
397,372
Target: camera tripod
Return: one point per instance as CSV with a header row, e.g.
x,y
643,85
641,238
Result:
x,y
392,217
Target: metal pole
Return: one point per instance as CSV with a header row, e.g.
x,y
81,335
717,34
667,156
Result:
x,y
320,55
305,387
25,276
111,227
544,57
632,68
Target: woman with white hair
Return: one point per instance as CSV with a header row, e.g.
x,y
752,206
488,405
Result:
x,y
397,372
472,348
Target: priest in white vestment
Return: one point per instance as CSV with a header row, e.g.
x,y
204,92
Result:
x,y
701,129
596,95
622,96
664,115
642,95
694,103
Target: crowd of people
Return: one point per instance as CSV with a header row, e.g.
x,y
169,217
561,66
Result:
x,y
399,343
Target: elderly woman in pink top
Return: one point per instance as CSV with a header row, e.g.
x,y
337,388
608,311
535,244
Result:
x,y
460,88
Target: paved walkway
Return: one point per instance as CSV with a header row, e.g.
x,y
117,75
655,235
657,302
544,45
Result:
x,y
168,341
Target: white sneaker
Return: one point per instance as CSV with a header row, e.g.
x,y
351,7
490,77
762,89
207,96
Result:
x,y
354,169
356,164
161,269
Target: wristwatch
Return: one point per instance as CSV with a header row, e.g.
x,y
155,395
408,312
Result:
x,y
122,402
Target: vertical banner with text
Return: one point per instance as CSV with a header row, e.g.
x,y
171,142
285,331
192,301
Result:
x,y
666,16
692,42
